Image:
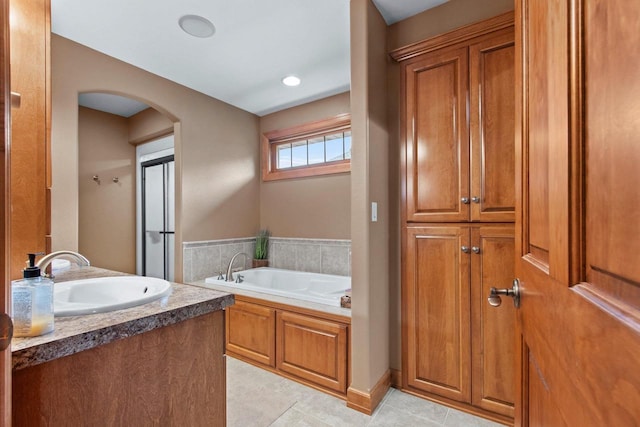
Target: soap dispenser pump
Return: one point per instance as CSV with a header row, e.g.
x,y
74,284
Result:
x,y
32,302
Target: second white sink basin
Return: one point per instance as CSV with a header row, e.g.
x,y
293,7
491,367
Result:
x,y
105,294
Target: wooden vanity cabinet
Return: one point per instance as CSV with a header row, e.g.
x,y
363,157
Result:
x,y
174,376
457,345
460,163
305,345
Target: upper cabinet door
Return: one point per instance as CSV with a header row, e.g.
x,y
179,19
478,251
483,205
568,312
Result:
x,y
436,131
492,119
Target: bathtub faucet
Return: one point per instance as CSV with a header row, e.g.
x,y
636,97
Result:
x,y
229,277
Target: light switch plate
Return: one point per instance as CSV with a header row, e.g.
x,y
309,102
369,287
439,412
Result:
x,y
374,212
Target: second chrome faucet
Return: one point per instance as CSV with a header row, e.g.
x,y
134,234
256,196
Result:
x,y
229,276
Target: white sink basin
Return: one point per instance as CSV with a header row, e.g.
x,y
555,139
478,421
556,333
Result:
x,y
104,294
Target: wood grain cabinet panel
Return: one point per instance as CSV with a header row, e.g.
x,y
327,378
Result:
x,y
492,135
312,349
30,164
458,126
492,328
251,332
170,376
455,344
459,105
305,345
437,136
436,310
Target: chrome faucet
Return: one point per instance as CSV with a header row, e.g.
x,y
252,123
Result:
x,y
229,277
46,260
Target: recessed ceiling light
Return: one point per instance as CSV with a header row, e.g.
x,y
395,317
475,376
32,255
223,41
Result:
x,y
291,81
197,26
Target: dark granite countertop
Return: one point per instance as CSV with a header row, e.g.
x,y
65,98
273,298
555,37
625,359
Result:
x,y
77,333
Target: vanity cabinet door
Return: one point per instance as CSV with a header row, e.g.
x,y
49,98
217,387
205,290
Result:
x,y
250,330
313,349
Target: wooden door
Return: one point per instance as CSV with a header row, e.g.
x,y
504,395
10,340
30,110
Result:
x,y
578,212
492,120
492,337
436,311
5,116
437,136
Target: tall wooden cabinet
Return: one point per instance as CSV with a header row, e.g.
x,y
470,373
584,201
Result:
x,y
458,101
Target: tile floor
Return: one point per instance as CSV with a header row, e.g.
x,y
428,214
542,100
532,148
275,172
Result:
x,y
257,398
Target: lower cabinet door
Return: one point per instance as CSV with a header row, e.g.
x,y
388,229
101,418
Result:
x,y
250,332
493,337
312,349
436,312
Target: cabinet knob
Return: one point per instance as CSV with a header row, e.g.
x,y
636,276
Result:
x,y
15,100
465,200
475,249
475,199
465,249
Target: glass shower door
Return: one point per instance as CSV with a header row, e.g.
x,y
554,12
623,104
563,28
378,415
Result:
x,y
158,218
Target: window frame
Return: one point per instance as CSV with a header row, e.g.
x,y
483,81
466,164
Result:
x,y
271,140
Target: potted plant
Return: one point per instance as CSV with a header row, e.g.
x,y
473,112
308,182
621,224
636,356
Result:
x,y
261,253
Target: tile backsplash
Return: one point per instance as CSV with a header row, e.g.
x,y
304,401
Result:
x,y
208,258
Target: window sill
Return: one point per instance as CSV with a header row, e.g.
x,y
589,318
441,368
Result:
x,y
307,171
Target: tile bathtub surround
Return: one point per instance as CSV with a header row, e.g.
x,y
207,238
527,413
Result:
x,y
312,255
208,258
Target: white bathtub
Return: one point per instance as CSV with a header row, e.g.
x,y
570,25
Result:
x,y
314,287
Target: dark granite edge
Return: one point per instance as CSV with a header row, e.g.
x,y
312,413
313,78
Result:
x,y
67,346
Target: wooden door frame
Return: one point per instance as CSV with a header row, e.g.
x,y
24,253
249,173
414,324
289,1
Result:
x,y
5,114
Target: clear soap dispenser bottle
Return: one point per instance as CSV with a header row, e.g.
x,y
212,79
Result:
x,y
32,302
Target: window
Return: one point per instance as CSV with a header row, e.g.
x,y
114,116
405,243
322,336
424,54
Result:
x,y
317,148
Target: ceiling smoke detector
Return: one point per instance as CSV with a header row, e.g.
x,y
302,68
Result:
x,y
197,26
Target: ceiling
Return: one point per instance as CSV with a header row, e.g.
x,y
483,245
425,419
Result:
x,y
256,43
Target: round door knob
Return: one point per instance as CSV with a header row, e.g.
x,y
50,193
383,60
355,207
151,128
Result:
x,y
494,295
465,249
6,331
475,199
475,249
465,200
